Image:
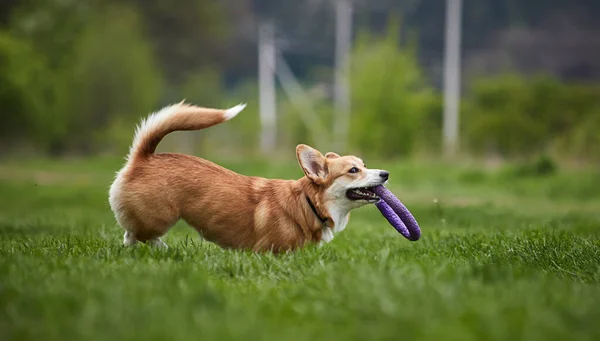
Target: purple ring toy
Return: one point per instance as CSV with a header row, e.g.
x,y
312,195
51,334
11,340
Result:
x,y
397,214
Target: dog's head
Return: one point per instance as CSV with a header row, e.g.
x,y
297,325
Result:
x,y
343,181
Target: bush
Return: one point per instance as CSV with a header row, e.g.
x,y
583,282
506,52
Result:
x,y
116,79
240,135
393,108
33,96
541,166
19,67
581,139
520,117
294,130
81,97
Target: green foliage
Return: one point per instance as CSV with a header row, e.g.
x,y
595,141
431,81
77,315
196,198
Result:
x,y
193,33
77,98
204,86
519,117
33,95
240,136
394,110
295,130
542,166
76,76
36,47
582,136
19,70
115,77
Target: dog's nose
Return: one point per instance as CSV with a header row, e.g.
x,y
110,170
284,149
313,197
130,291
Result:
x,y
384,174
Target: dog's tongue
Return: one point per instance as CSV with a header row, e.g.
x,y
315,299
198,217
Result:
x,y
397,214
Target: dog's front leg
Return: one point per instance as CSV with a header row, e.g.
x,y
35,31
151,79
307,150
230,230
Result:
x,y
326,235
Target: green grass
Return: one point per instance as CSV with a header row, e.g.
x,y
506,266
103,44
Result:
x,y
502,257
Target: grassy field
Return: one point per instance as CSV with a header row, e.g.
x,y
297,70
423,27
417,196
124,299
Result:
x,y
504,256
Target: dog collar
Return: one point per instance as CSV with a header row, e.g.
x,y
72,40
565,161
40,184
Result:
x,y
312,207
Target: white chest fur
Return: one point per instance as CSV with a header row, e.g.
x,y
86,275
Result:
x,y
339,215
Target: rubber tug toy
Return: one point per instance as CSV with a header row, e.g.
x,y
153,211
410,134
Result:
x,y
397,214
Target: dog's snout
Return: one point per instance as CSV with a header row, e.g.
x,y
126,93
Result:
x,y
384,174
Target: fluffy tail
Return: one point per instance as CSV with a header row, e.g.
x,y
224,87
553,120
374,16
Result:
x,y
175,117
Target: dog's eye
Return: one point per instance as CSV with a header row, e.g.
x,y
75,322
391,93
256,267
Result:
x,y
353,170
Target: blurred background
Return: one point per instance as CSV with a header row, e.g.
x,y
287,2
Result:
x,y
486,113
485,79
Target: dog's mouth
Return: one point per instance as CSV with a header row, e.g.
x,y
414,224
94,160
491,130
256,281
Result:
x,y
362,193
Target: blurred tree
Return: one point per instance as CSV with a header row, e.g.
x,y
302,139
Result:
x,y
41,64
205,88
516,116
186,36
393,108
307,44
6,8
115,77
72,68
19,69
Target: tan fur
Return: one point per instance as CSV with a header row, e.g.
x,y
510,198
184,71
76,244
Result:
x,y
153,191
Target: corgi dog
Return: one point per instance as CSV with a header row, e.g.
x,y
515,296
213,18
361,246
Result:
x,y
155,190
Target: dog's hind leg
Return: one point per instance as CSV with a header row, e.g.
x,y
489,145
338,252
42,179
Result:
x,y
147,229
141,213
156,242
129,239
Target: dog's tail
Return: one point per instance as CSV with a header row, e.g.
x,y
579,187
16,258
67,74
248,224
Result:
x,y
175,117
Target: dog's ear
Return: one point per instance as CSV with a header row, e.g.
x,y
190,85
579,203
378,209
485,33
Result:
x,y
332,155
313,163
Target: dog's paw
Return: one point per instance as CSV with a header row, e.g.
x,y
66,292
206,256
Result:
x,y
129,239
158,243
